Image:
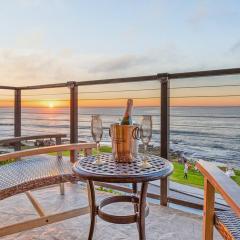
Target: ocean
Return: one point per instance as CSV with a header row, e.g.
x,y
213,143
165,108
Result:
x,y
209,133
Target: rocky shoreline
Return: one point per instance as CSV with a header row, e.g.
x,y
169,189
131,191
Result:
x,y
155,150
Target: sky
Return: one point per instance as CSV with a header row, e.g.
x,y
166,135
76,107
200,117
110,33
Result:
x,y
52,41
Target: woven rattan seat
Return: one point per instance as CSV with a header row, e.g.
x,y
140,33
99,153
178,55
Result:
x,y
27,174
228,224
35,168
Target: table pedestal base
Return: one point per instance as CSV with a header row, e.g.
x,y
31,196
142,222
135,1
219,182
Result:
x,y
141,209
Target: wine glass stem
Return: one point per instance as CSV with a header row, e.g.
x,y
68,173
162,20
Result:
x,y
145,152
98,151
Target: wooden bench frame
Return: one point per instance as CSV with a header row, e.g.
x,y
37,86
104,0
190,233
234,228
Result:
x,y
57,136
216,180
44,218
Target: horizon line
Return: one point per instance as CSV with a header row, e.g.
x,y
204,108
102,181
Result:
x,y
67,107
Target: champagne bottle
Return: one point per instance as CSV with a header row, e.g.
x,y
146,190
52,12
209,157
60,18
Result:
x,y
127,118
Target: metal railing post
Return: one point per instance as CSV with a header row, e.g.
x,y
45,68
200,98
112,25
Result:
x,y
73,118
165,120
17,117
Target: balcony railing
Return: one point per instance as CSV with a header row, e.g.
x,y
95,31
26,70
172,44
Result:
x,y
74,93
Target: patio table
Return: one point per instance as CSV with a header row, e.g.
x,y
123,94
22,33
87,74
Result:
x,y
114,172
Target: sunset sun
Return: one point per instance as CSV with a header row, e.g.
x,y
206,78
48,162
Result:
x,y
51,105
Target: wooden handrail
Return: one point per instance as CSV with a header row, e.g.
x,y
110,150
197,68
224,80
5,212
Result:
x,y
208,73
222,183
8,87
33,137
44,150
180,75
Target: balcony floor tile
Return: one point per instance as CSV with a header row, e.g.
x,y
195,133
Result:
x,y
162,223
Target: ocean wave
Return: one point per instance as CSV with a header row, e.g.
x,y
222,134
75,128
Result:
x,y
193,133
198,139
47,126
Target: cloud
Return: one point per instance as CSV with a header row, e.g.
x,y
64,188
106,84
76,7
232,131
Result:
x,y
235,47
124,62
30,3
32,67
199,15
32,40
38,3
26,67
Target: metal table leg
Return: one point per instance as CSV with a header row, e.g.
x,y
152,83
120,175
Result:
x,y
140,207
141,213
135,193
93,208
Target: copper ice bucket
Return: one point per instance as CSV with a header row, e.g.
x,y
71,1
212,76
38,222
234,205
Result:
x,y
124,142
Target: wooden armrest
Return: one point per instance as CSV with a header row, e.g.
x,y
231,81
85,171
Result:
x,y
44,150
33,137
222,183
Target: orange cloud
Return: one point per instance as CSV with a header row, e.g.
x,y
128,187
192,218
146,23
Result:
x,y
153,102
208,101
6,103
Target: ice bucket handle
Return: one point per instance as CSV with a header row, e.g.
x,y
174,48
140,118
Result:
x,y
136,133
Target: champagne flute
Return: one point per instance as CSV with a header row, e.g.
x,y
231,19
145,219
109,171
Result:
x,y
97,132
146,135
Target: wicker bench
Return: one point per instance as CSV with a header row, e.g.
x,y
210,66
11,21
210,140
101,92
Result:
x,y
227,222
32,173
